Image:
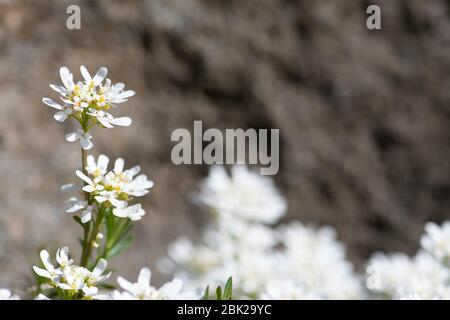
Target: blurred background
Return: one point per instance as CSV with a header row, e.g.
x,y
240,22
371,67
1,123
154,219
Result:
x,y
363,115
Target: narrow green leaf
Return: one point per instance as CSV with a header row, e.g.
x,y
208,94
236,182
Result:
x,y
219,293
206,294
109,224
119,247
125,230
228,290
106,286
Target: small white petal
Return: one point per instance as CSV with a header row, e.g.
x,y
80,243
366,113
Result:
x,y
100,76
123,121
84,177
72,136
60,116
118,165
86,144
49,102
87,77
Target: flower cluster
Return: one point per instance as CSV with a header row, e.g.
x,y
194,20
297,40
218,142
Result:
x,y
115,188
288,262
71,281
424,276
89,102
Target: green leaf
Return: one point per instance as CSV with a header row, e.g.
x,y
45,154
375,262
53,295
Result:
x,y
129,225
109,224
219,293
119,247
206,294
106,286
78,220
228,291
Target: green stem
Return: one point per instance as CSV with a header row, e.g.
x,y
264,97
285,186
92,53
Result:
x,y
86,198
87,250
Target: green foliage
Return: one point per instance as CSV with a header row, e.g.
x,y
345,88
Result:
x,y
225,294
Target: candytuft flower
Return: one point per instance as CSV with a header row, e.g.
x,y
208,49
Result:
x,y
77,282
116,188
89,102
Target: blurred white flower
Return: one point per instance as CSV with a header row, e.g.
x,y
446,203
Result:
x,y
287,290
5,294
245,195
316,260
437,241
142,290
241,244
400,276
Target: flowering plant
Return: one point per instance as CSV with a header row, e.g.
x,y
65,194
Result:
x,y
106,201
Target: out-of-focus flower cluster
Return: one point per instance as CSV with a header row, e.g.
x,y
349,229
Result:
x,y
423,276
285,262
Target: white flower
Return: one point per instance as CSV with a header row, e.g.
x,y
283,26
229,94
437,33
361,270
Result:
x,y
90,186
111,197
62,257
134,212
244,195
98,168
74,205
67,80
92,97
107,119
98,78
5,294
50,272
76,279
313,258
64,110
116,187
142,290
437,241
97,275
83,137
287,290
399,276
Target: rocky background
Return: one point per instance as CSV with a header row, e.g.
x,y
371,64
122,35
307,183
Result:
x,y
363,115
